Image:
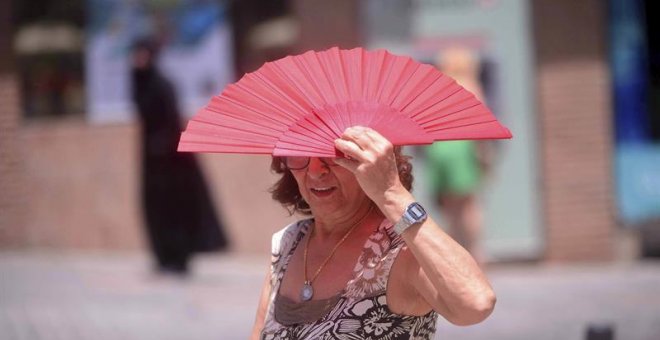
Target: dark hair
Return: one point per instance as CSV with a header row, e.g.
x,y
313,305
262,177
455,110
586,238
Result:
x,y
149,44
285,190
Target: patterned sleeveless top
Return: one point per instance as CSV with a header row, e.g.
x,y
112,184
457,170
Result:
x,y
361,311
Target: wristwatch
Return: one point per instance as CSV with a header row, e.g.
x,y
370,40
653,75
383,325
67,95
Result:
x,y
413,214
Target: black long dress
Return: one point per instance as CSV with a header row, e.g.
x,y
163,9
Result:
x,y
178,210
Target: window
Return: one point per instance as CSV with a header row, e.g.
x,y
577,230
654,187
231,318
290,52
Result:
x,y
48,44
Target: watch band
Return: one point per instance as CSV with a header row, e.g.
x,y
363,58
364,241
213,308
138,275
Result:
x,y
413,214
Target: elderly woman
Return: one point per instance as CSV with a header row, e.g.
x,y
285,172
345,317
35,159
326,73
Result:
x,y
369,264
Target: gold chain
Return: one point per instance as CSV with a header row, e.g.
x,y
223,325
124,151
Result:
x,y
318,271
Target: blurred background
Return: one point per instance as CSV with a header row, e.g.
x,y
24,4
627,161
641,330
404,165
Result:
x,y
567,213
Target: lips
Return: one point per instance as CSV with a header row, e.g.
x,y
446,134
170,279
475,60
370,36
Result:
x,y
323,191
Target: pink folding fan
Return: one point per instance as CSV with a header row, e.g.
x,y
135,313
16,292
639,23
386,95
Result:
x,y
298,106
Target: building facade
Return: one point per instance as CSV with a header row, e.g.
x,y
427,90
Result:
x,y
68,184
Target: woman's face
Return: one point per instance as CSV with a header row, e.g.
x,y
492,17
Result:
x,y
331,191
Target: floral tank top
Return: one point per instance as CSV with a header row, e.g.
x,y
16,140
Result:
x,y
361,311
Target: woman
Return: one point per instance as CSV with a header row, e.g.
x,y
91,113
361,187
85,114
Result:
x,y
360,269
179,214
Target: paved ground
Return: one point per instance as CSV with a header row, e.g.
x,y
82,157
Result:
x,y
113,296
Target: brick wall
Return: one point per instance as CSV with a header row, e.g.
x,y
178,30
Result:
x,y
12,189
11,194
324,24
575,125
81,188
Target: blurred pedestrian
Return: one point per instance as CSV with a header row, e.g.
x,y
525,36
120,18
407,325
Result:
x,y
179,215
456,169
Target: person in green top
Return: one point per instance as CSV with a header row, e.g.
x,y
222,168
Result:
x,y
456,169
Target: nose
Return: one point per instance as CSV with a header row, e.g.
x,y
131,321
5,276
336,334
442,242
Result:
x,y
317,168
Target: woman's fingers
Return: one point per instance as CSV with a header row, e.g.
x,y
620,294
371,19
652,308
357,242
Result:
x,y
365,146
350,164
369,156
350,149
378,142
368,140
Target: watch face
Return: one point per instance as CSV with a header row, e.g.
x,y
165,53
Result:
x,y
416,211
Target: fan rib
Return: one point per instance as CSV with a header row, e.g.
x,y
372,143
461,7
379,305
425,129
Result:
x,y
447,114
384,82
197,124
417,93
332,60
405,82
283,96
244,109
433,129
294,83
318,77
452,122
304,69
229,120
428,111
270,94
312,126
263,100
211,138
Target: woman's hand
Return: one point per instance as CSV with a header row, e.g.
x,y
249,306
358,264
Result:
x,y
370,156
441,272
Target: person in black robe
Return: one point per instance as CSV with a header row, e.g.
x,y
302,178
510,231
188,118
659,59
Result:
x,y
178,210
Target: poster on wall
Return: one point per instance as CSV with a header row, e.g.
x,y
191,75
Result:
x,y
196,55
634,79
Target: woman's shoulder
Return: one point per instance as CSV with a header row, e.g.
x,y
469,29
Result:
x,y
285,237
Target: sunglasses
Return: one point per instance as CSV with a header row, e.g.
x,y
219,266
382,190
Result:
x,y
300,162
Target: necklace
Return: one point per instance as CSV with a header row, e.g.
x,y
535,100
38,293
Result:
x,y
307,292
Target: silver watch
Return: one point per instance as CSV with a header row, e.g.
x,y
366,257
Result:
x,y
413,214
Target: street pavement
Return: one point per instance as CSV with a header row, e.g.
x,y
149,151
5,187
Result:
x,y
91,295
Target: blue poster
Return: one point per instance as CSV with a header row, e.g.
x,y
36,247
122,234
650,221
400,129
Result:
x,y
196,57
637,156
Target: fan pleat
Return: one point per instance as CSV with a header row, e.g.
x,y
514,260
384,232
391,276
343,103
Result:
x,y
442,88
442,107
317,126
215,148
211,138
419,83
355,63
448,110
245,113
299,105
473,131
403,80
240,123
465,117
334,59
332,65
320,79
296,152
294,142
291,102
313,86
386,70
298,88
258,104
230,132
371,76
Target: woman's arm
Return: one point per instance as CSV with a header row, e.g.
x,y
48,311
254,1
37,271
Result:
x,y
443,273
261,308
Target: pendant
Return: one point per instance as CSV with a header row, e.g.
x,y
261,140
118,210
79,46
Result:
x,y
306,292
